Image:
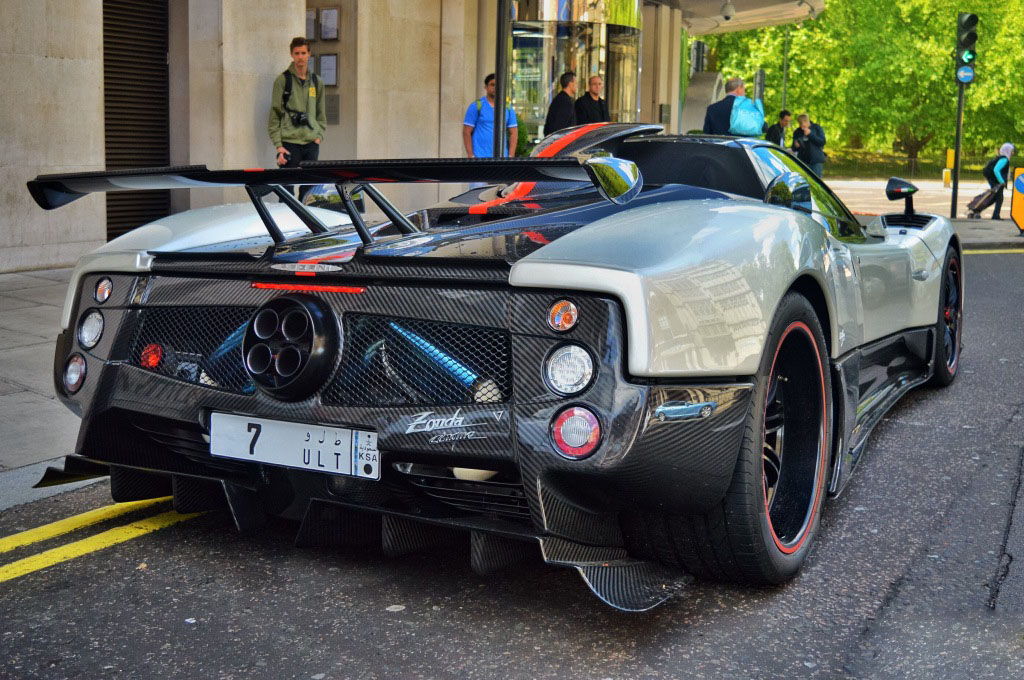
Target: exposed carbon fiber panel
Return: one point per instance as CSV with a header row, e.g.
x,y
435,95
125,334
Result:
x,y
567,553
402,537
622,582
564,515
634,587
473,306
134,485
359,268
246,507
701,450
490,554
197,495
332,526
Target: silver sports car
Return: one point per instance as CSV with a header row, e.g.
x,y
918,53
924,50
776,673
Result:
x,y
654,357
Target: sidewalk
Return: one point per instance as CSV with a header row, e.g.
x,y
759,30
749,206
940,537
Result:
x,y
867,198
36,427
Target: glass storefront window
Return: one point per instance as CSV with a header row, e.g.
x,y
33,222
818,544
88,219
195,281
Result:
x,y
544,50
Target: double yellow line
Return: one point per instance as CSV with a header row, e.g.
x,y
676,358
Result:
x,y
84,546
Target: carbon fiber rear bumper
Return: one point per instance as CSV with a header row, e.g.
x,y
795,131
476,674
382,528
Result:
x,y
666,447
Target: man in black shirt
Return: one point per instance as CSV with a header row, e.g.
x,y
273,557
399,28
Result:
x,y
562,113
590,108
777,133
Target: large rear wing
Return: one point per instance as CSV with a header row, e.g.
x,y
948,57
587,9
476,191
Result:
x,y
617,180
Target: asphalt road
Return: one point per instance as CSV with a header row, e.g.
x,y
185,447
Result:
x,y
913,576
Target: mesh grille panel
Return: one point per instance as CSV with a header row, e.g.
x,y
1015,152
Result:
x,y
390,361
201,345
915,221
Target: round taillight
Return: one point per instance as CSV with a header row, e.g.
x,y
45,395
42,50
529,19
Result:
x,y
569,369
103,290
74,373
151,356
576,432
90,328
563,316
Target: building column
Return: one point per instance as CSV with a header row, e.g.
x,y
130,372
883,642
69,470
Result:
x,y
224,57
52,121
659,63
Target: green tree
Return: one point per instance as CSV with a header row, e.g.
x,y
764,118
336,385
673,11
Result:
x,y
881,74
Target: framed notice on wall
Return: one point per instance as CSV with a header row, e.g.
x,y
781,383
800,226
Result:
x,y
328,68
310,24
329,23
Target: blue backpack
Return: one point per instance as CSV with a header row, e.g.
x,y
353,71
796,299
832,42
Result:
x,y
747,118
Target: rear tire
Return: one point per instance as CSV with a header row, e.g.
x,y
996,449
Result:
x,y
762,530
949,327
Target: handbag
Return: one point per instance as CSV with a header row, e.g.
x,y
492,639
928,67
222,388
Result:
x,y
747,117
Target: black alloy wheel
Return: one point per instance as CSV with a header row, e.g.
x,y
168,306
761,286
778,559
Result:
x,y
793,441
949,327
762,531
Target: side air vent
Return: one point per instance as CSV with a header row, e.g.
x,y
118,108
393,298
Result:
x,y
915,221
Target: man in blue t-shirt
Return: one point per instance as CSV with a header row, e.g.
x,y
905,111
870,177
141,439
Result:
x,y
478,127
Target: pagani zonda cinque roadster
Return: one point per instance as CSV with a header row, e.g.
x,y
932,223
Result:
x,y
653,356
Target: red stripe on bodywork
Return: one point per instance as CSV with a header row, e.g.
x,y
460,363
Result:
x,y
312,288
335,256
524,188
557,146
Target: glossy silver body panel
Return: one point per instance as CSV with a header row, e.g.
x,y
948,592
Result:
x,y
700,280
900,277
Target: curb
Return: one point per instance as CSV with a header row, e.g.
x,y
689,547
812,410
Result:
x,y
1017,244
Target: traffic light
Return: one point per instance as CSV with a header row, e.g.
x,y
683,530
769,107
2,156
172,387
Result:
x,y
966,37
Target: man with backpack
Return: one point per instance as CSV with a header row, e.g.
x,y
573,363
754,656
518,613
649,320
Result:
x,y
478,125
735,114
298,116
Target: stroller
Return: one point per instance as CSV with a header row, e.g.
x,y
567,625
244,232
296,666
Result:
x,y
982,201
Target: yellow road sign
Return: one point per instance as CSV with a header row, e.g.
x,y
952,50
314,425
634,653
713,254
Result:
x,y
1017,198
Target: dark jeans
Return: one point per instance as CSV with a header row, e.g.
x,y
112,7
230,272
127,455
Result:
x,y
299,153
817,168
999,200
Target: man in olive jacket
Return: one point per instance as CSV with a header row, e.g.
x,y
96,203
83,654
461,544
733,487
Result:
x,y
297,126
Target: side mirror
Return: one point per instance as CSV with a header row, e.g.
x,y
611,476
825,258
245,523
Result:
x,y
790,190
616,179
900,188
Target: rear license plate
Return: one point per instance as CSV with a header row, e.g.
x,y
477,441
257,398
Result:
x,y
321,448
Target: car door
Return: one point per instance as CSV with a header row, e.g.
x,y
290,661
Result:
x,y
883,267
